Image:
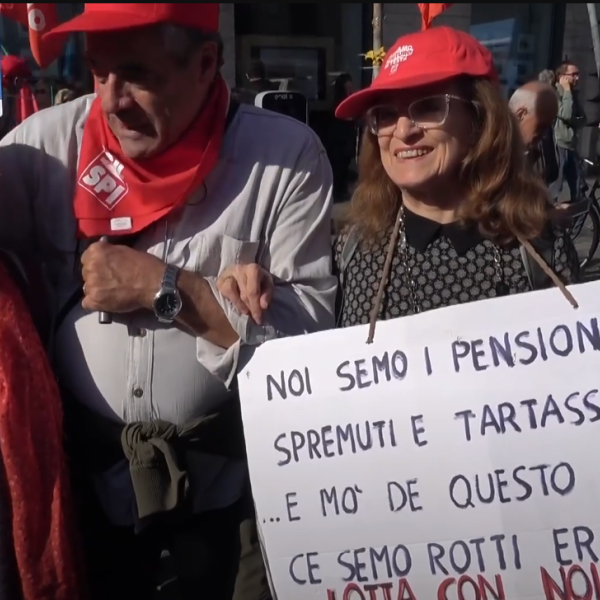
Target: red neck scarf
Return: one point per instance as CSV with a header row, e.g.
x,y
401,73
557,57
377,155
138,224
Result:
x,y
118,196
31,445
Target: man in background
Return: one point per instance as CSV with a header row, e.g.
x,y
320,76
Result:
x,y
571,119
256,83
535,105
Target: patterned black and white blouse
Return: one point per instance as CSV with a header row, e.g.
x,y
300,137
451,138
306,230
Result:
x,y
439,265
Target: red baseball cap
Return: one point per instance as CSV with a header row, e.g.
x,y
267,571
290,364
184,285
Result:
x,y
115,17
420,59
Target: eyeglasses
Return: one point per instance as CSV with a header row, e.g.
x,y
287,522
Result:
x,y
426,113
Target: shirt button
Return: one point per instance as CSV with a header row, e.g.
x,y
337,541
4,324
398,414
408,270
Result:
x,y
142,332
138,392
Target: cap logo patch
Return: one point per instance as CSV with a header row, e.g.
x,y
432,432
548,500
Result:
x,y
400,55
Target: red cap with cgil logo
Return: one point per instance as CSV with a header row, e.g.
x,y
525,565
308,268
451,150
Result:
x,y
420,59
115,17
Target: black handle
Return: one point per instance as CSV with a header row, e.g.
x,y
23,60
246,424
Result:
x,y
104,318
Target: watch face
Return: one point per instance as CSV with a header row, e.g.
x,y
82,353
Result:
x,y
167,305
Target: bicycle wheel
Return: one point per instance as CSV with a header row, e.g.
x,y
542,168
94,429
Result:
x,y
589,236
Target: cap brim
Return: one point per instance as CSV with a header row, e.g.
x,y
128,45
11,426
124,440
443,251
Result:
x,y
356,105
91,22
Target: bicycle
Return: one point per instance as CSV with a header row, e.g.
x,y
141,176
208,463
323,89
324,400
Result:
x,y
585,215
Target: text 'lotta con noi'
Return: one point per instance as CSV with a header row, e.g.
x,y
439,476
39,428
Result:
x,y
523,348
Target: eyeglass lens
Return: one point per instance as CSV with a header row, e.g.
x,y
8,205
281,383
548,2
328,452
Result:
x,y
427,112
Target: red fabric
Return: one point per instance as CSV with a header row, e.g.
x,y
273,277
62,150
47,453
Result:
x,y
15,75
13,68
26,103
16,11
42,17
31,444
419,59
116,195
114,17
39,18
430,12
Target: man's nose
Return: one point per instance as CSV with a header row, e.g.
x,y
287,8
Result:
x,y
405,128
114,95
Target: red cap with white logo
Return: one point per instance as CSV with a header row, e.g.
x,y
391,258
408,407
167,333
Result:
x,y
116,17
419,59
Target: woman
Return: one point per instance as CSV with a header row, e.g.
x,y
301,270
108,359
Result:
x,y
446,210
547,76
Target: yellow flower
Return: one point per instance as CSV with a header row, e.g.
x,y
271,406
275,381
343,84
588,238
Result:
x,y
376,56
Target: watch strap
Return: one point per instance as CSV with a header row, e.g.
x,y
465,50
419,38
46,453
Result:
x,y
169,281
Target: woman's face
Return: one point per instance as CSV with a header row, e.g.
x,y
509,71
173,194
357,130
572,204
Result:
x,y
423,135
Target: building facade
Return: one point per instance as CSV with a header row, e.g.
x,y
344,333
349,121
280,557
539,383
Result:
x,y
311,43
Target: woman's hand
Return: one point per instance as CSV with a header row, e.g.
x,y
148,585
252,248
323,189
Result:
x,y
248,287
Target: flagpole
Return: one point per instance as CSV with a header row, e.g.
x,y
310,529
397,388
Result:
x,y
377,37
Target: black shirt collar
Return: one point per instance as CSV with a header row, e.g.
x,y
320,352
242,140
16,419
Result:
x,y
421,232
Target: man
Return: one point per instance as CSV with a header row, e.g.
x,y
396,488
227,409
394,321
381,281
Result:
x,y
43,93
570,119
184,184
535,105
256,82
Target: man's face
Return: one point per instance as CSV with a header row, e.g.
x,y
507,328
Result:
x,y
42,95
534,125
149,98
573,74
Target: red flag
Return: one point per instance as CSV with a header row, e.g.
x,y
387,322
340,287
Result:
x,y
429,12
26,103
39,18
16,12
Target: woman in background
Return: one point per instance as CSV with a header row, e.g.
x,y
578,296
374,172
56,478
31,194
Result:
x,y
547,76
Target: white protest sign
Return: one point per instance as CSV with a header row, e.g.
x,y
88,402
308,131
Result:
x,y
455,458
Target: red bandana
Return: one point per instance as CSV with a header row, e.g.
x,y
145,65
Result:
x,y
118,196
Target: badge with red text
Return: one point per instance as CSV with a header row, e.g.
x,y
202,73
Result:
x,y
103,179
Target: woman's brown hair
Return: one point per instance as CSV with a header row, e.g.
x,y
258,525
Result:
x,y
502,193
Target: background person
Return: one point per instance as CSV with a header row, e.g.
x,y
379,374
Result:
x,y
535,106
42,90
547,76
571,119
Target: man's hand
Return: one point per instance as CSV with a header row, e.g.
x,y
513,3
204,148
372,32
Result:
x,y
565,82
118,279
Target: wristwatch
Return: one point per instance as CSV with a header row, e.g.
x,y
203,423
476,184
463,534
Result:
x,y
167,302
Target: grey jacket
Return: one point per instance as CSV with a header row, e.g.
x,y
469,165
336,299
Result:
x,y
570,118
